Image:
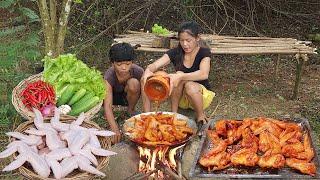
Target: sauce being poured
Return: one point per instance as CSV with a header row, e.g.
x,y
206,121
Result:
x,y
157,88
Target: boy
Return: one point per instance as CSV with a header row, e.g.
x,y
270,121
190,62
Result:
x,y
122,82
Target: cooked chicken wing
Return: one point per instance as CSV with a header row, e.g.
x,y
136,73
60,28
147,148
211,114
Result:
x,y
274,144
263,141
284,137
269,160
221,127
219,144
166,131
218,160
152,133
289,150
270,127
308,153
244,157
302,165
249,140
232,131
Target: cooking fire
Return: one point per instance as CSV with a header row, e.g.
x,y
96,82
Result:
x,y
158,159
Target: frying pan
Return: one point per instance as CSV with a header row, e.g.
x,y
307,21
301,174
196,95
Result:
x,y
129,123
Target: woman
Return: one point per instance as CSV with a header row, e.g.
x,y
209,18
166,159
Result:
x,y
189,86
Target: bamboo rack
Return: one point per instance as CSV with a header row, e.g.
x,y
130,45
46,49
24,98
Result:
x,y
227,44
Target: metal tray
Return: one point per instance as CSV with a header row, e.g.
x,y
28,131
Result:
x,y
197,170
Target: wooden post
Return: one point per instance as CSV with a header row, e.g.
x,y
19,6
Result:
x,y
300,61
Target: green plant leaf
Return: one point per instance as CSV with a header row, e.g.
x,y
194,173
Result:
x,y
7,3
30,14
11,30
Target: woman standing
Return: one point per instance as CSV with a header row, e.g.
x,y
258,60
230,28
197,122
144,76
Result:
x,y
189,86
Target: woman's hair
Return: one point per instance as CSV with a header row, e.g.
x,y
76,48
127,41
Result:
x,y
194,30
121,52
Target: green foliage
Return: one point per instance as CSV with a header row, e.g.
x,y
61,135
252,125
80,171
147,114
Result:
x,y
7,3
33,17
11,31
78,1
159,30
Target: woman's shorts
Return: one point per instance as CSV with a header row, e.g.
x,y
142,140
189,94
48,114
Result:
x,y
207,97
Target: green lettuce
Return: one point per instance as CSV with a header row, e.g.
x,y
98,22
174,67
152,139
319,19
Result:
x,y
67,69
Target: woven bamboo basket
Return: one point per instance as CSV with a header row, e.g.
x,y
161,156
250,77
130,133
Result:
x,y
27,171
26,113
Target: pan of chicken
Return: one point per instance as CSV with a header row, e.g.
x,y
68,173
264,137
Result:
x,y
161,128
257,148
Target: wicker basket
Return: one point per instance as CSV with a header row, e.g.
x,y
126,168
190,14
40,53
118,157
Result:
x,y
26,113
27,171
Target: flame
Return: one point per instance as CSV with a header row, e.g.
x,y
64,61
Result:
x,y
159,153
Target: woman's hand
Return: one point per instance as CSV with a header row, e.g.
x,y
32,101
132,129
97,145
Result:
x,y
147,73
175,80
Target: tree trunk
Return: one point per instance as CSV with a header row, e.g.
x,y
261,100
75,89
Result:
x,y
54,32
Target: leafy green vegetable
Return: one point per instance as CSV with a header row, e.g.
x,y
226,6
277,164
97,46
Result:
x,y
67,69
159,30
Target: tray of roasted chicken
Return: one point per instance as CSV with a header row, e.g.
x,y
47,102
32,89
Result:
x,y
160,129
257,148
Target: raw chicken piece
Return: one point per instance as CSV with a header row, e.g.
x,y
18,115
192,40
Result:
x,y
59,154
7,152
101,133
84,164
39,123
79,141
99,151
68,165
30,140
69,136
35,131
53,140
44,151
55,167
20,160
19,146
48,126
87,153
56,124
94,141
34,148
37,162
38,119
43,144
79,120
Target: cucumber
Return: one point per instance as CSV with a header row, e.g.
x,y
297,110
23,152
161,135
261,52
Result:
x,y
82,106
77,96
67,94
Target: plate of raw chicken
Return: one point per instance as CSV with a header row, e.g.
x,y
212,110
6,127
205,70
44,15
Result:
x,y
54,148
161,128
257,148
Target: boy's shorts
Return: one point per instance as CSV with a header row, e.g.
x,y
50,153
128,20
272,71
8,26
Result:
x,y
207,97
119,98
